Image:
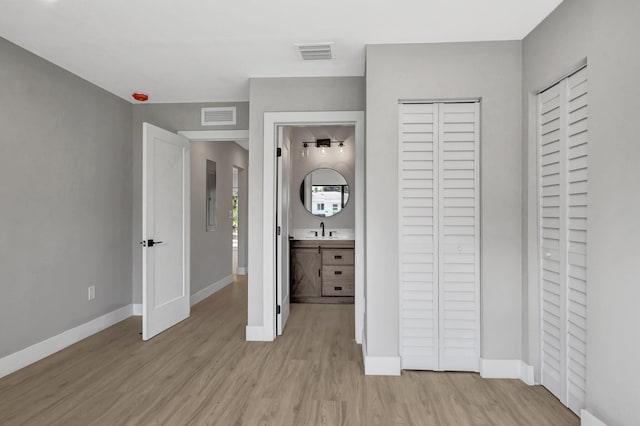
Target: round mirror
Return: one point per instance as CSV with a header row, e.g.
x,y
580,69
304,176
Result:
x,y
324,192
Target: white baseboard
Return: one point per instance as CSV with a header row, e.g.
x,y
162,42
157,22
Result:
x,y
527,373
256,334
380,365
34,353
588,419
506,369
210,289
137,309
242,270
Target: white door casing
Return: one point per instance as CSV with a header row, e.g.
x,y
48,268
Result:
x,y
439,236
283,215
165,220
268,330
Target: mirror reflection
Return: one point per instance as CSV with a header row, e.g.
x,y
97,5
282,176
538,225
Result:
x,y
324,192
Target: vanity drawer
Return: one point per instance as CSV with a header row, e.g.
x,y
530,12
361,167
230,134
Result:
x,y
338,288
338,281
337,257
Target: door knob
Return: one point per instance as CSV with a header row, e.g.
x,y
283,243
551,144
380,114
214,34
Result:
x,y
150,243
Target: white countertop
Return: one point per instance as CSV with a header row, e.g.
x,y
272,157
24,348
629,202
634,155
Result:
x,y
310,234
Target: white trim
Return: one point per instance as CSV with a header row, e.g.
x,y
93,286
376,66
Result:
x,y
506,369
413,101
137,309
241,270
527,373
588,419
40,350
380,365
271,120
241,137
215,135
210,289
257,334
579,67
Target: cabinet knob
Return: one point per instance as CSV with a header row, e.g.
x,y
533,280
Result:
x,y
548,254
459,248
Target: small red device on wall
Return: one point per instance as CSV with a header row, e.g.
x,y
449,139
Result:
x,y
140,97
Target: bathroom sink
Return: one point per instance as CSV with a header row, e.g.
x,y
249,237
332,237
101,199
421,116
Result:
x,y
309,234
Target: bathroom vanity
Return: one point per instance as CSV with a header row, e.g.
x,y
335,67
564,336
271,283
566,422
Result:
x,y
322,270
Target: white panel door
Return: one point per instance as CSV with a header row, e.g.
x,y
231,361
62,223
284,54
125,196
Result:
x,y
439,236
282,249
563,237
418,249
458,234
165,229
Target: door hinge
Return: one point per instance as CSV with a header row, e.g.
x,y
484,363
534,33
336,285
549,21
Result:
x,y
278,309
279,152
278,230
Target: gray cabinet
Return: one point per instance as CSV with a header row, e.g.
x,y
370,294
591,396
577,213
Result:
x,y
305,272
322,271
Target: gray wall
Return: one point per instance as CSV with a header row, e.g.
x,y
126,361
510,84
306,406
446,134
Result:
x,y
211,253
65,200
285,94
492,71
172,117
607,34
343,163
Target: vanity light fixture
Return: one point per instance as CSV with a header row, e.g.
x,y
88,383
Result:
x,y
323,144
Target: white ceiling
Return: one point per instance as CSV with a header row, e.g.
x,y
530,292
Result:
x,y
205,50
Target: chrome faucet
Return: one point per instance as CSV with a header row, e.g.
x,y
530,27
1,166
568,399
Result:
x,y
322,226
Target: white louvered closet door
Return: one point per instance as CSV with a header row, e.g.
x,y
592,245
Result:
x,y
439,236
458,234
418,247
563,114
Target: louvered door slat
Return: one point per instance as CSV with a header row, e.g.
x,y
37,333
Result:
x,y
563,196
551,118
576,225
458,238
417,244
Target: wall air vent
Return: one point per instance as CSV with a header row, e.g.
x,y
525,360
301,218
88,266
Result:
x,y
316,51
218,116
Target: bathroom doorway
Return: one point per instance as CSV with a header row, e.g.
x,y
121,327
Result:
x,y
306,127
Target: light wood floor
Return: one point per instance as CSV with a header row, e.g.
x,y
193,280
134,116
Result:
x,y
203,372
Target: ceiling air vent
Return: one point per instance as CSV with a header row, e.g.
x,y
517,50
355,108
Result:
x,y
316,51
218,116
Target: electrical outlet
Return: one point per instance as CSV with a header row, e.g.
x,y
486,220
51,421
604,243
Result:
x,y
92,292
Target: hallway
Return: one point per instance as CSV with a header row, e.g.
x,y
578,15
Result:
x,y
203,372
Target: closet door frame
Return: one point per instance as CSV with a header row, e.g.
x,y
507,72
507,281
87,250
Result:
x,y
436,206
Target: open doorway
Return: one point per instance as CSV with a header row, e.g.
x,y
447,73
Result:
x,y
345,245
